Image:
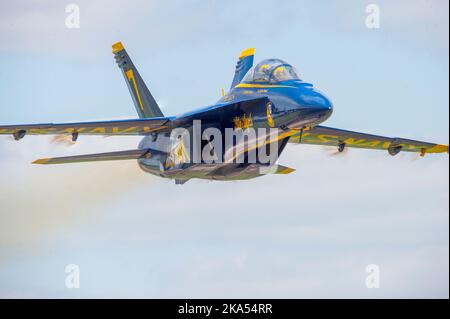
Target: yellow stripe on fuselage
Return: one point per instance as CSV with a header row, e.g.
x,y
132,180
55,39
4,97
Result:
x,y
276,139
263,86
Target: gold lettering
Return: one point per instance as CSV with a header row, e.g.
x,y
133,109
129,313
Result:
x,y
327,138
100,130
362,143
117,130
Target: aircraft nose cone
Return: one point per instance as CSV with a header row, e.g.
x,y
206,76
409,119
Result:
x,y
324,109
322,112
314,108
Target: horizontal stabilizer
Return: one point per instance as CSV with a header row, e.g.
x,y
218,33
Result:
x,y
111,156
280,169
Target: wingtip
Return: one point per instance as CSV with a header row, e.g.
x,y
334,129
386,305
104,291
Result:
x,y
41,161
439,148
247,52
116,47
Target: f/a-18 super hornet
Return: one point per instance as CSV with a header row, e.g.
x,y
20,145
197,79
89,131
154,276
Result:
x,y
268,105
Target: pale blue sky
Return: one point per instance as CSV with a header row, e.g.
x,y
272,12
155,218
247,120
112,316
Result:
x,y
308,234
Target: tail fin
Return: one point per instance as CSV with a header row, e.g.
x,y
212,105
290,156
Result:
x,y
143,100
244,64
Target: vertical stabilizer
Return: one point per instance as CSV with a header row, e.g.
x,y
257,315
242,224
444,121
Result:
x,y
143,100
244,64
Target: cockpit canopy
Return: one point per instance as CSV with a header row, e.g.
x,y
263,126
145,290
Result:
x,y
271,71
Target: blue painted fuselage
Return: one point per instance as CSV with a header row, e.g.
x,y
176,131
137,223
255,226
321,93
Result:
x,y
284,105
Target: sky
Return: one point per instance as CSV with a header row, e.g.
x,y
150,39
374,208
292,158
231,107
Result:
x,y
310,234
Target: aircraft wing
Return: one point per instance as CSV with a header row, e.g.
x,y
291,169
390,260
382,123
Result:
x,y
107,128
321,135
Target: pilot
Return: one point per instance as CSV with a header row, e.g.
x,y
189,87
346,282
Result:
x,y
281,73
262,74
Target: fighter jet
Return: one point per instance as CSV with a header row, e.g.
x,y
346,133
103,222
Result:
x,y
240,137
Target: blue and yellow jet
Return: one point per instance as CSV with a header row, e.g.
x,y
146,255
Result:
x,y
268,95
